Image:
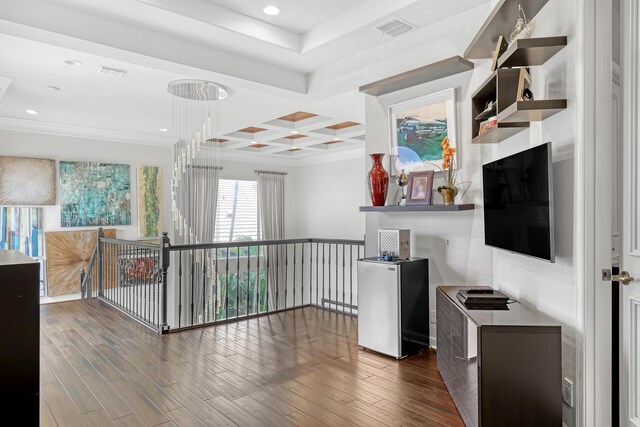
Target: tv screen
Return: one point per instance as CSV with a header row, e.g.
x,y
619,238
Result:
x,y
518,203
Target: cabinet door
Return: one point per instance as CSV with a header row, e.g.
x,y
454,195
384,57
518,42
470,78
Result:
x,y
378,312
443,336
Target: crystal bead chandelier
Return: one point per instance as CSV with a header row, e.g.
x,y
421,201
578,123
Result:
x,y
196,125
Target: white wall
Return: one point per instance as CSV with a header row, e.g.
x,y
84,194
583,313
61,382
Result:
x,y
551,288
454,242
327,198
25,144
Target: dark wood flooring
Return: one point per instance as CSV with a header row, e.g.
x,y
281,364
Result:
x,y
302,367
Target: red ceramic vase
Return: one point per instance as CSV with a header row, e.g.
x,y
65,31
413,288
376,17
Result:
x,y
378,180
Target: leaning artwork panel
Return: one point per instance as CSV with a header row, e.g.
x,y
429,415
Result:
x,y
94,194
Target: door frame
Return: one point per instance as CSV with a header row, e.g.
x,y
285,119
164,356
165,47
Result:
x,y
592,183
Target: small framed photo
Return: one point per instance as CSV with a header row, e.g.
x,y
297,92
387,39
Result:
x,y
420,188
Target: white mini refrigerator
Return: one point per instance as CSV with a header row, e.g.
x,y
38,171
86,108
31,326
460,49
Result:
x,y
393,305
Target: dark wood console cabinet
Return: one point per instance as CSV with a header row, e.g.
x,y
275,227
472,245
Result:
x,y
20,317
501,367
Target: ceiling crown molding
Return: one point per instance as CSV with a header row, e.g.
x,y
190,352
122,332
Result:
x,y
59,129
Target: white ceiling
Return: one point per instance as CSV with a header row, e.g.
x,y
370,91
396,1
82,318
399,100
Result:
x,y
297,16
266,62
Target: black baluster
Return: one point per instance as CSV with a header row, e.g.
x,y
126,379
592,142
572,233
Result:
x,y
193,284
248,279
267,277
204,283
343,276
324,271
302,277
226,287
286,274
277,276
295,247
351,279
317,270
258,300
179,288
215,287
237,281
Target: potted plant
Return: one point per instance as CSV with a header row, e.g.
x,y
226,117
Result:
x,y
449,189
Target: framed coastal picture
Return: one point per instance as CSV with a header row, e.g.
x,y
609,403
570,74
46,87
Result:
x,y
418,127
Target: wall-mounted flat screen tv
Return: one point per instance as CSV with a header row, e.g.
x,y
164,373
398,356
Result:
x,y
518,203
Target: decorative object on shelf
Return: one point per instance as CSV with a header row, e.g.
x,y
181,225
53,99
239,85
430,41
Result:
x,y
378,180
26,181
417,127
402,179
420,188
449,189
501,47
491,122
149,180
196,123
21,229
93,194
524,82
490,110
523,28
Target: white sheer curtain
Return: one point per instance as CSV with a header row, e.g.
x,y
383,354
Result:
x,y
198,203
271,210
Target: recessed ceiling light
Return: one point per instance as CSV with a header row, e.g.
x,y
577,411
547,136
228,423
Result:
x,y
53,88
254,142
164,130
294,132
336,139
33,112
73,62
293,147
271,10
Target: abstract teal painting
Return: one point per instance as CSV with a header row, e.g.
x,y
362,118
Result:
x,y
94,194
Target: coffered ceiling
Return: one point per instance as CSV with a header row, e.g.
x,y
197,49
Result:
x,y
302,60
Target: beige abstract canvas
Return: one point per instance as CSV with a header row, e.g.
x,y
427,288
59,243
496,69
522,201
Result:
x,y
68,252
26,181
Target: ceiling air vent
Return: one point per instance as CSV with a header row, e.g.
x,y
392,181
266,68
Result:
x,y
112,72
395,27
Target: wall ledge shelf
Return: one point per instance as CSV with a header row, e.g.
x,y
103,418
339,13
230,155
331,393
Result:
x,y
437,70
531,111
532,52
418,208
500,23
500,132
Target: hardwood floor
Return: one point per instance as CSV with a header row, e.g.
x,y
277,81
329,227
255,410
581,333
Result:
x,y
302,367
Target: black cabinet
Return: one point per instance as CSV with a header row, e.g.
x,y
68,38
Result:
x,y
20,319
501,367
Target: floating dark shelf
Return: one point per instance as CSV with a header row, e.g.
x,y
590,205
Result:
x,y
437,70
500,132
531,111
418,208
500,23
532,52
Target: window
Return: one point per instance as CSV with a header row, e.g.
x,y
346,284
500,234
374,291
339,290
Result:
x,y
237,211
